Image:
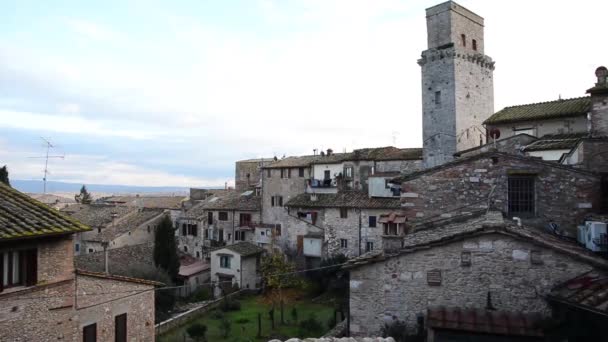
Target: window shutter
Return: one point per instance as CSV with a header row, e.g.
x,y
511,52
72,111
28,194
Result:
x,y
31,267
272,201
280,201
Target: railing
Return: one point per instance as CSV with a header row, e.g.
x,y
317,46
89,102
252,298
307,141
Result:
x,y
325,183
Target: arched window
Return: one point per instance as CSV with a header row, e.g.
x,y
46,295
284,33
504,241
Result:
x,y
474,45
463,38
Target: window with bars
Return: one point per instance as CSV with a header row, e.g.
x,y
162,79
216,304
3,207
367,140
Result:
x,y
343,243
521,195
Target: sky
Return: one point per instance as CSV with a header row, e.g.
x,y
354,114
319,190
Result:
x,y
172,93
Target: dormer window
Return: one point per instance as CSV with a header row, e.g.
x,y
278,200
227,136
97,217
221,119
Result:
x,y
463,39
474,45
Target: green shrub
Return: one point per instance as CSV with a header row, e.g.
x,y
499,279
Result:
x,y
230,305
217,314
201,294
225,326
197,331
294,314
311,327
242,321
331,322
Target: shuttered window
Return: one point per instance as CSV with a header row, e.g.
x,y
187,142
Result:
x,y
18,268
120,328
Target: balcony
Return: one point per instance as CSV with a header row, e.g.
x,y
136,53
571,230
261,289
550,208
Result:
x,y
325,186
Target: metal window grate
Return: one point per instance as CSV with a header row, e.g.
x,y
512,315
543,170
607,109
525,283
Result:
x,y
521,195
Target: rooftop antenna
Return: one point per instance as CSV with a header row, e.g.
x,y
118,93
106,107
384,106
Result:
x,y
49,145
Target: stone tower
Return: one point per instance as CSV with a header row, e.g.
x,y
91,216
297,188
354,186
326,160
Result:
x,y
457,83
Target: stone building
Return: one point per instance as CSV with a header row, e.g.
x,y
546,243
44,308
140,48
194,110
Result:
x,y
235,265
537,191
218,220
43,297
484,264
248,173
114,226
457,83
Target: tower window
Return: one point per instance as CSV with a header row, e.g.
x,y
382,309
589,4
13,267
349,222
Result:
x,y
474,45
463,38
437,97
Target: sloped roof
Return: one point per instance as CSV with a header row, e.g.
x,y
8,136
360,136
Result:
x,y
132,221
542,111
189,265
232,201
243,248
346,199
118,278
51,199
152,202
492,223
485,321
96,215
375,153
23,217
588,290
555,142
121,260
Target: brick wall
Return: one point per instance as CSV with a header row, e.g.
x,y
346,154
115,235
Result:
x,y
562,194
500,265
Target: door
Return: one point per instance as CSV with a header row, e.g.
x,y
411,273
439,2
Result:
x,y
120,328
89,333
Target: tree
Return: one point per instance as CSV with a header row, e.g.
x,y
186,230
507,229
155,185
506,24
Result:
x,y
277,274
197,331
165,248
84,197
4,176
225,326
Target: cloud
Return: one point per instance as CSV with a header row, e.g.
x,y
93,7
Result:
x,y
92,30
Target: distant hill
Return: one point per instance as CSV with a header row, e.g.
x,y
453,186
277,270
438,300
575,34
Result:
x,y
35,186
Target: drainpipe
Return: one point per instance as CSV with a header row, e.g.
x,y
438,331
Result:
x,y
105,256
359,231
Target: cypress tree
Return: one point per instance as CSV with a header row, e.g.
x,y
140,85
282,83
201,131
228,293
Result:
x,y
4,176
165,248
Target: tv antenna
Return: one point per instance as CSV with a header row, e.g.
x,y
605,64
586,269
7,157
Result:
x,y
48,146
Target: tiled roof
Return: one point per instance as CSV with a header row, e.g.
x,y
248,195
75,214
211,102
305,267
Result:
x,y
492,223
589,290
23,217
96,215
489,154
232,201
346,199
152,202
484,321
244,248
51,199
129,222
120,260
189,265
118,278
555,142
377,154
542,111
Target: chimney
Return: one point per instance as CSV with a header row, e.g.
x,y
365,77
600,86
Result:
x,y
106,267
598,116
329,152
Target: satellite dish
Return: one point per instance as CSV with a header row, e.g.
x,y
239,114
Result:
x,y
495,133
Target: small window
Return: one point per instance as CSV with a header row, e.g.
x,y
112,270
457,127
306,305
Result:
x,y
225,261
474,45
438,97
536,257
184,229
223,216
288,173
90,250
348,172
463,40
148,229
206,234
372,222
369,246
198,255
77,247
343,243
343,212
18,268
89,333
120,328
185,248
277,230
301,172
521,195
465,258
276,201
268,173
282,173
210,217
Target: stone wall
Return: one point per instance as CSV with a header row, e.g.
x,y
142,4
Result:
x,y
118,297
247,173
562,194
599,115
500,265
277,186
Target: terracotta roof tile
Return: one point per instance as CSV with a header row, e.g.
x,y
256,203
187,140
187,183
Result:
x,y
23,217
243,248
118,278
542,111
588,290
346,199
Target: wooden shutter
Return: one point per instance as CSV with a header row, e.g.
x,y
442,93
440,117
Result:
x,y
300,243
120,328
272,201
89,333
280,201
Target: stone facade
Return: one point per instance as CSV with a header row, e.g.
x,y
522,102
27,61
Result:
x,y
561,194
51,310
248,173
512,145
513,272
457,83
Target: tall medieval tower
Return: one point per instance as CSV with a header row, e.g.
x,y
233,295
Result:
x,y
457,83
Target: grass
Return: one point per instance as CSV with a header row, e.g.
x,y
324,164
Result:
x,y
245,322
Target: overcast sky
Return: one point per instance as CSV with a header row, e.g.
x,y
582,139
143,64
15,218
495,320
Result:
x,y
145,92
